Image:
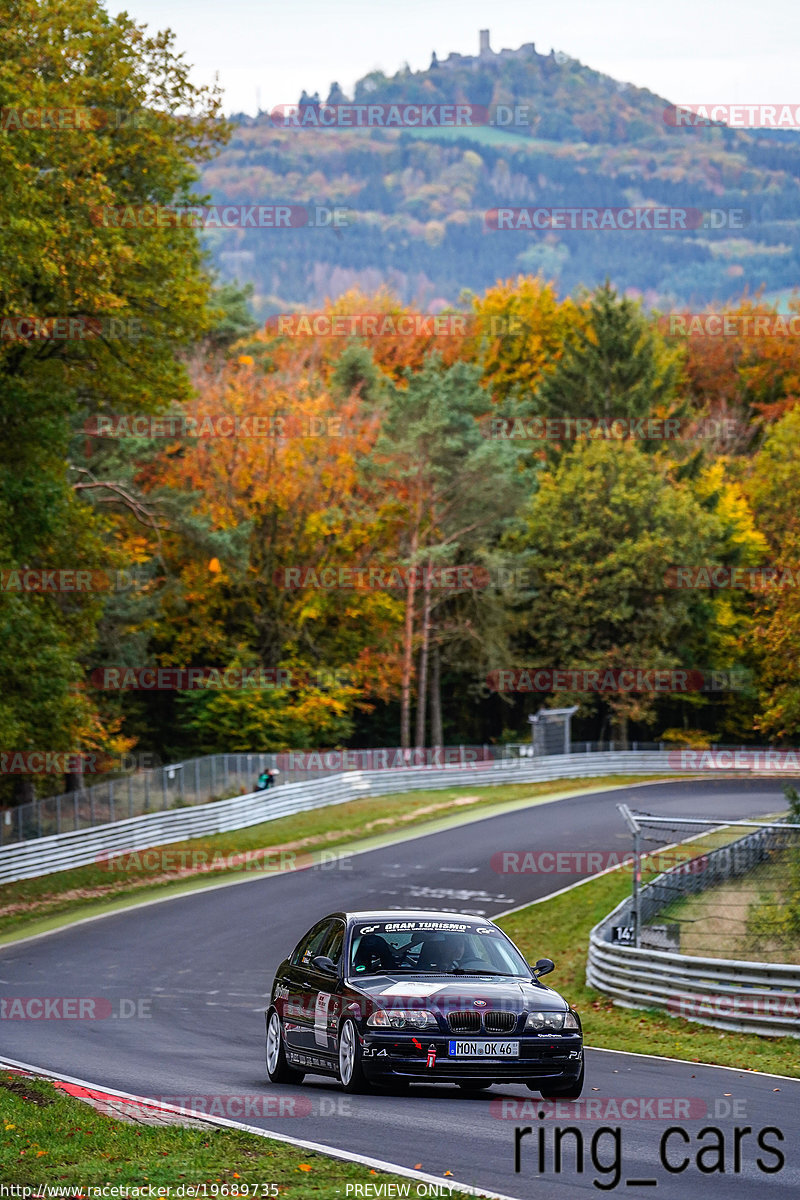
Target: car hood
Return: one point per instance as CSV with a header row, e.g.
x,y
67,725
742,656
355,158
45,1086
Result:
x,y
448,993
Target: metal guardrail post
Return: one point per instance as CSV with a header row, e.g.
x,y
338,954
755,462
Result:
x,y
635,828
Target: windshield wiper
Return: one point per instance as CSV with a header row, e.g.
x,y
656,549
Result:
x,y
462,971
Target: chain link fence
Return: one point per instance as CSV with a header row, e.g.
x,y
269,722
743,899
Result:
x,y
734,894
219,776
213,777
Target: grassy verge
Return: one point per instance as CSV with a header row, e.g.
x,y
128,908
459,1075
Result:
x,y
50,1139
559,928
31,905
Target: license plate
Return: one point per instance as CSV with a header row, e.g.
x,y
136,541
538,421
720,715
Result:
x,y
483,1049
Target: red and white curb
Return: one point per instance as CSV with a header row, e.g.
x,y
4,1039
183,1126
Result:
x,y
125,1106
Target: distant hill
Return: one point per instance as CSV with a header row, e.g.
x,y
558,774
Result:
x,y
418,197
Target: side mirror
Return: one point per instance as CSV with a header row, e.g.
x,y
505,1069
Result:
x,y
543,967
325,965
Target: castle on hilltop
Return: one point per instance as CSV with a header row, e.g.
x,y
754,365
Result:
x,y
485,54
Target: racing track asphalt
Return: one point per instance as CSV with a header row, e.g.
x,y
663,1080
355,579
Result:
x,y
204,963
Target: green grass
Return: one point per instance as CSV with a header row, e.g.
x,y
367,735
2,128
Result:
x,y
559,928
32,905
50,1139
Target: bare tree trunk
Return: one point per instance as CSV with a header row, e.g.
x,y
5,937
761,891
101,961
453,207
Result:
x,y
408,649
422,680
436,695
619,727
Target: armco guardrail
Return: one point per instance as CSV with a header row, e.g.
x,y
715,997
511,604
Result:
x,y
737,994
58,852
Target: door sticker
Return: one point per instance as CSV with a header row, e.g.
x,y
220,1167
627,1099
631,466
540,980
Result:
x,y
321,1019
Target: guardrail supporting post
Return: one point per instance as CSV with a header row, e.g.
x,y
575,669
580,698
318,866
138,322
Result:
x,y
633,825
637,874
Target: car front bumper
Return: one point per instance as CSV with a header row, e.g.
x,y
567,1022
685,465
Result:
x,y
426,1058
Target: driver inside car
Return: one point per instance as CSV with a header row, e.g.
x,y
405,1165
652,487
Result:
x,y
373,954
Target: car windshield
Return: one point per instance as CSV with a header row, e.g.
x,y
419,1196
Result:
x,y
429,947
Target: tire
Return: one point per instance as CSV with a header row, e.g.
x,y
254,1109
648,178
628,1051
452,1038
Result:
x,y
479,1085
351,1071
565,1092
278,1070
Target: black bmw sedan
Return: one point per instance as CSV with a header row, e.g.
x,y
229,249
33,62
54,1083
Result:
x,y
431,997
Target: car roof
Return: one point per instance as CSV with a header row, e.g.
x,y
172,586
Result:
x,y
414,914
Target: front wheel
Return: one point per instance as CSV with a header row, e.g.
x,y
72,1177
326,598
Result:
x,y
351,1071
571,1091
278,1069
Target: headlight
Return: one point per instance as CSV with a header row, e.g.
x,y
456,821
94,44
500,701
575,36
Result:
x,y
571,1021
401,1018
546,1022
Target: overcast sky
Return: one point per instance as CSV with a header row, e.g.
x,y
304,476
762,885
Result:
x,y
689,51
